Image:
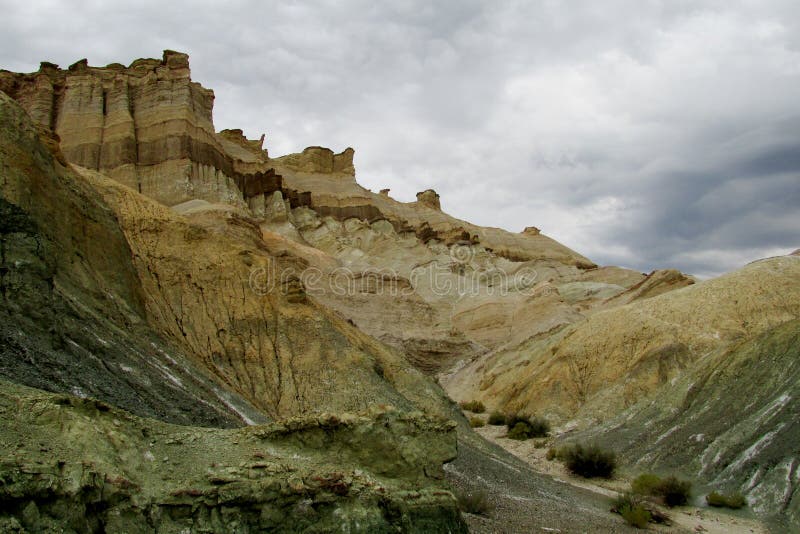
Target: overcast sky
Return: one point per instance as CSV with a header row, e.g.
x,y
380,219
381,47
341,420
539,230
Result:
x,y
642,133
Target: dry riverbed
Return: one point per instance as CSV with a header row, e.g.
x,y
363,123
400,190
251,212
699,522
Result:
x,y
691,518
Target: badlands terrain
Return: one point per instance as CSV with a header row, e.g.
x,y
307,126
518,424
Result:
x,y
198,336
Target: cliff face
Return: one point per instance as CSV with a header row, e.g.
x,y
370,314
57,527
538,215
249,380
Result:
x,y
148,125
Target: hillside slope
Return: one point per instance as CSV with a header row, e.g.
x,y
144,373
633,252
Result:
x,y
700,380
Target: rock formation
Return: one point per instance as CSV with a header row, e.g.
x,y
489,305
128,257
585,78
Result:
x,y
648,377
147,126
374,473
188,276
429,198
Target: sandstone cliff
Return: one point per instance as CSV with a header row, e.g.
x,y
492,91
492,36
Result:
x,y
149,126
130,262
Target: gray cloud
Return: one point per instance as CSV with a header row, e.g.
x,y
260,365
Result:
x,y
648,134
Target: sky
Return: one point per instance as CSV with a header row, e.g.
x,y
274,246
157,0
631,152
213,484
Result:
x,y
643,133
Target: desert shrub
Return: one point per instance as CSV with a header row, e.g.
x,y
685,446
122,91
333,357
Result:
x,y
539,444
473,406
674,491
473,502
645,484
552,454
520,432
476,422
497,419
589,461
524,427
635,515
731,500
540,428
632,508
513,419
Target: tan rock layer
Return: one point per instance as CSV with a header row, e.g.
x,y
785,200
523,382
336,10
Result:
x,y
144,120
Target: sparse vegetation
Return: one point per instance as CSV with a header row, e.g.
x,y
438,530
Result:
x,y
552,454
519,432
473,502
589,461
636,515
674,491
731,500
497,419
646,484
638,512
476,422
473,406
523,427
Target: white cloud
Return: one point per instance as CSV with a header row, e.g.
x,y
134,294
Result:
x,y
623,128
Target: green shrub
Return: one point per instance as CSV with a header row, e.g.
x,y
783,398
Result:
x,y
632,506
513,418
731,500
520,432
635,515
674,491
476,422
645,484
497,419
473,406
540,428
589,461
736,500
473,502
524,427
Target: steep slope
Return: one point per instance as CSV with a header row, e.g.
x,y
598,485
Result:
x,y
701,380
134,264
602,364
72,308
435,287
729,422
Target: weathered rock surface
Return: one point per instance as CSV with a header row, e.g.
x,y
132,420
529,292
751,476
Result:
x,y
729,422
75,465
186,275
207,288
699,380
73,316
602,364
147,125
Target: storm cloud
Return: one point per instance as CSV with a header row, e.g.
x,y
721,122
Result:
x,y
648,134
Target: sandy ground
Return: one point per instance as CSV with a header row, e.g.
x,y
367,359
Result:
x,y
691,518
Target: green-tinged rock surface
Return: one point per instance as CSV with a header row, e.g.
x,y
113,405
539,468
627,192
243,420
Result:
x,y
79,465
730,422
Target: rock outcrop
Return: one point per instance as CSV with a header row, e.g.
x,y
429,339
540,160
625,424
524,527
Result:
x,y
147,125
429,198
85,466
